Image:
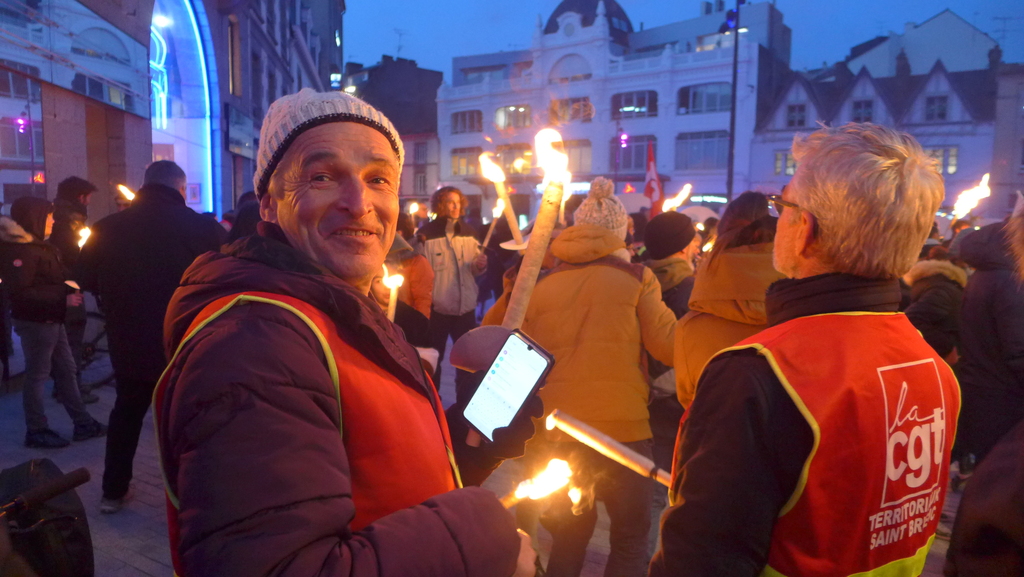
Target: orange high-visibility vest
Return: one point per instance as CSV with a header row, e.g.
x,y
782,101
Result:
x,y
399,452
883,409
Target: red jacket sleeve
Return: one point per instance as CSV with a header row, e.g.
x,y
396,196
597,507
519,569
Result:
x,y
250,440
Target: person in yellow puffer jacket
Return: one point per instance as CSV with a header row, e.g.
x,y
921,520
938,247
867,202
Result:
x,y
597,313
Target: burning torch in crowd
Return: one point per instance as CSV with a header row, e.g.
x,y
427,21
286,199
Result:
x,y
83,236
495,215
392,282
126,192
496,175
555,476
676,201
969,198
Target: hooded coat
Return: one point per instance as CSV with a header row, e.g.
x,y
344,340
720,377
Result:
x,y
726,306
32,273
936,289
250,435
597,313
69,218
992,341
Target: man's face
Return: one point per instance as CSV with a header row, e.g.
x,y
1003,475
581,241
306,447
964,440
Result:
x,y
785,253
450,206
335,196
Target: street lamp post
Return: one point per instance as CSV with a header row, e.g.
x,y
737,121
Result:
x,y
732,22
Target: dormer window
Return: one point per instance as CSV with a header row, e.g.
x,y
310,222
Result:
x,y
936,108
863,110
796,115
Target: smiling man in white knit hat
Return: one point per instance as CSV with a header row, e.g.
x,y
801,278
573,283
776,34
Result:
x,y
298,432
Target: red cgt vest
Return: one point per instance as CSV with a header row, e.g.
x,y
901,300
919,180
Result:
x,y
408,458
883,409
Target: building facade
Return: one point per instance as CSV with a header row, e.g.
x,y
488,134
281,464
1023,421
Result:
x,y
612,92
1008,149
101,88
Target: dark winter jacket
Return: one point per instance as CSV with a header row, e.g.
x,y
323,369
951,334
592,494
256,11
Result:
x,y
133,262
32,275
936,290
744,443
68,220
257,377
992,342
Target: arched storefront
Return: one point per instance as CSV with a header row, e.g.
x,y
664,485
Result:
x,y
184,97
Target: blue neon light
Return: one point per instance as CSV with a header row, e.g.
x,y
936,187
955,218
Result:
x,y
207,195
158,78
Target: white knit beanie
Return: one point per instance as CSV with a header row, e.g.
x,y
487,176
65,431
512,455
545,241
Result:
x,y
291,115
601,208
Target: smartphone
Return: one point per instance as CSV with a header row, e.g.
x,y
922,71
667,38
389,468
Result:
x,y
515,374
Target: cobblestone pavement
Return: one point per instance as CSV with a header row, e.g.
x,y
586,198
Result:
x,y
134,541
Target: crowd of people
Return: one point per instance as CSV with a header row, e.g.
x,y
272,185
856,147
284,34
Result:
x,y
794,363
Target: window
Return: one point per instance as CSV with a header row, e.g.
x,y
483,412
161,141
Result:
x,y
639,104
467,121
579,153
465,161
704,98
947,158
515,158
632,158
515,116
486,74
935,108
234,56
796,115
419,153
702,150
419,182
863,110
570,109
17,144
785,163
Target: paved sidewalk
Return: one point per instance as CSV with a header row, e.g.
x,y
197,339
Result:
x,y
134,541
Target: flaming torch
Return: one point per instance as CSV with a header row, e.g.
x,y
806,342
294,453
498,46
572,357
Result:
x,y
676,201
126,192
607,446
495,174
495,215
413,207
83,236
555,476
392,282
969,198
555,165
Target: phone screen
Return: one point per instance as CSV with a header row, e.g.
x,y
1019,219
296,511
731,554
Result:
x,y
506,385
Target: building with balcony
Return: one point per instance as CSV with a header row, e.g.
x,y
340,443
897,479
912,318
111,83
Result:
x,y
610,90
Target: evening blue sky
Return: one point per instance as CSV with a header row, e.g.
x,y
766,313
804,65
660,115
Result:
x,y
823,30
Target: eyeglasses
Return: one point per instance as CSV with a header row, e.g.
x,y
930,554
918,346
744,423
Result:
x,y
778,204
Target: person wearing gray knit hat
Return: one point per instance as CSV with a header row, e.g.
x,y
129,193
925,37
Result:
x,y
601,208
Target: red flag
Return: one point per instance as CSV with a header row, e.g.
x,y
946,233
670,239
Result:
x,y
652,184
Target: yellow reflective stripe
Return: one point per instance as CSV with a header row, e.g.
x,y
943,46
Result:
x,y
455,466
332,368
913,565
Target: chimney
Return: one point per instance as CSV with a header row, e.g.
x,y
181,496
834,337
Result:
x,y
902,65
995,57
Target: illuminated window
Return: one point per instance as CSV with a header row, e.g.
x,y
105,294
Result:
x,y
796,115
638,104
863,110
579,153
947,158
570,109
785,163
632,157
465,161
936,108
515,158
714,97
702,150
514,116
467,121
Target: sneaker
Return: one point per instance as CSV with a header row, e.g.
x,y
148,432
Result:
x,y
45,439
111,506
89,398
89,430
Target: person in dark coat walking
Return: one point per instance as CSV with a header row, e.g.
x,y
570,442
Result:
x,y
992,341
936,289
33,277
132,263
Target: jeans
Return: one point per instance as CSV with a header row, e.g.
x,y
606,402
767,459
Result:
x,y
46,348
626,495
123,429
441,327
74,324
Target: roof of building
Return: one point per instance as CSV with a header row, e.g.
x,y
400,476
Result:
x,y
587,9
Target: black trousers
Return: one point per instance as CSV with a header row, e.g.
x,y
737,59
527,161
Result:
x,y
441,327
123,429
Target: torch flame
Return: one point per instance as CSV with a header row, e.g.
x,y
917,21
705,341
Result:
x,y
490,170
700,226
83,235
392,281
575,495
708,246
414,207
555,476
555,164
498,208
549,422
969,198
127,192
677,200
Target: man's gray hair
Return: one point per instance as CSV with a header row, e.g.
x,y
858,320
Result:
x,y
874,193
167,173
